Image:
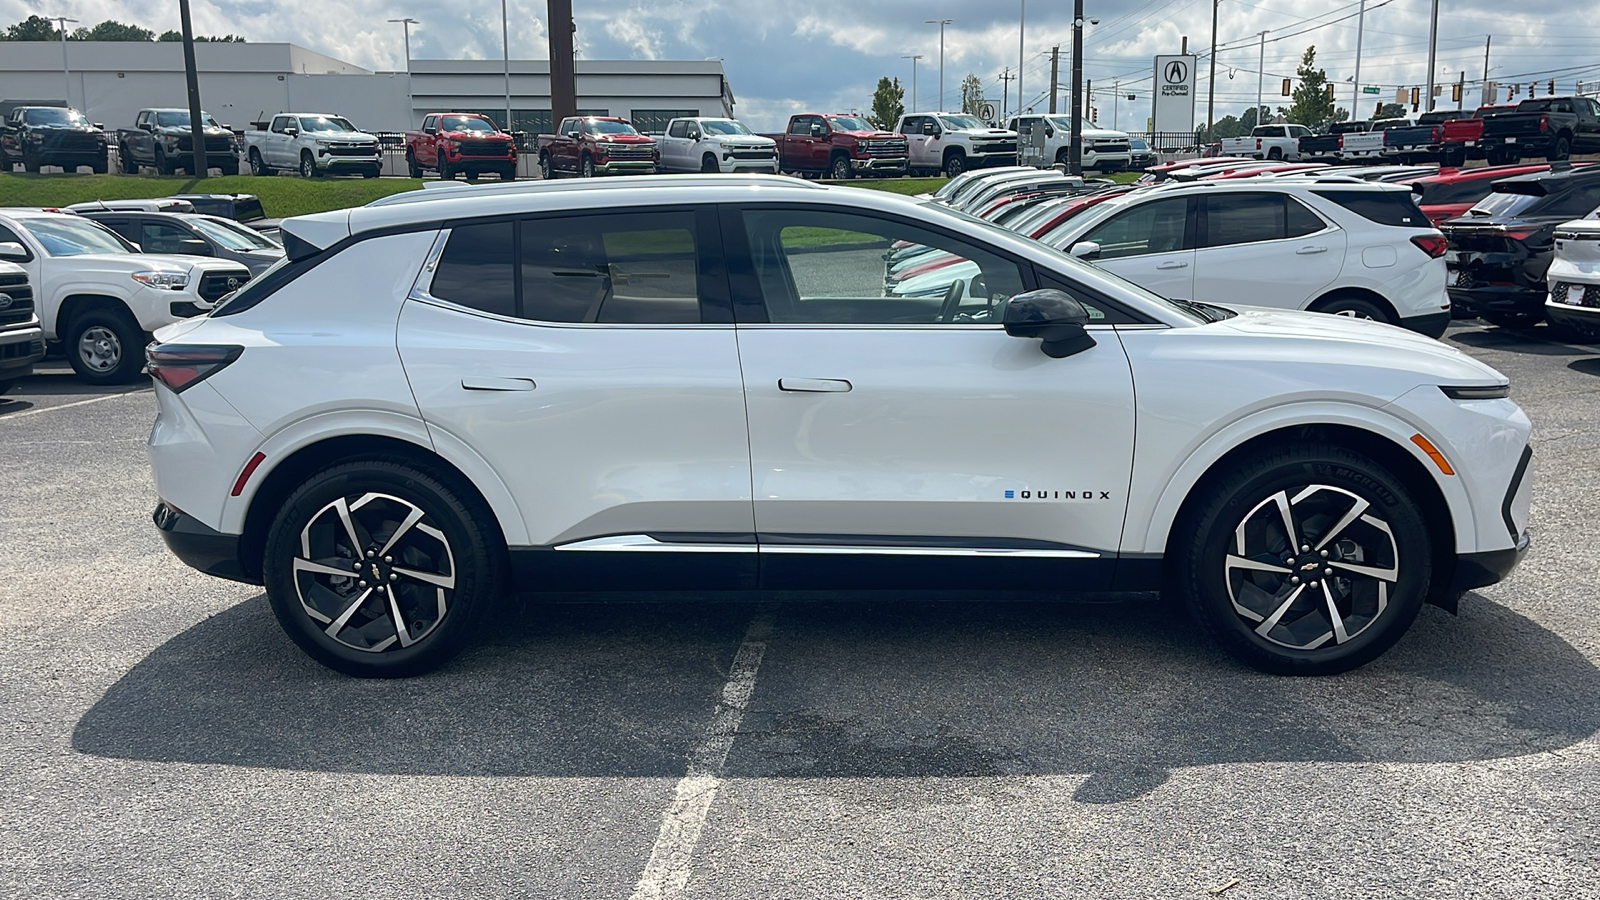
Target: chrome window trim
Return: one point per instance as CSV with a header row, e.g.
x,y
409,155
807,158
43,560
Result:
x,y
851,550
643,543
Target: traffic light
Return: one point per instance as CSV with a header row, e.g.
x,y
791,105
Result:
x,y
1533,88
1552,85
1286,91
1330,92
1416,97
1455,93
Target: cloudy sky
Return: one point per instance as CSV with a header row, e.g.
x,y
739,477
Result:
x,y
785,56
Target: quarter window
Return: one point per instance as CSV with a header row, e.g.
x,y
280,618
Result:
x,y
826,267
1157,227
477,268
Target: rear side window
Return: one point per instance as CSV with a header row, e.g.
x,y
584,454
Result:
x,y
1384,207
1576,202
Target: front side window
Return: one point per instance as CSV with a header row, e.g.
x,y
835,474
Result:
x,y
678,129
802,125
161,237
839,268
1157,227
7,236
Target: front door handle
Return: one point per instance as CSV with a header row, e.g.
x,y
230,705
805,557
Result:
x,y
498,384
814,385
1173,264
1307,251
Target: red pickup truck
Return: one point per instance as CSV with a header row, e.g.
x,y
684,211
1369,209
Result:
x,y
1459,140
597,145
460,142
840,146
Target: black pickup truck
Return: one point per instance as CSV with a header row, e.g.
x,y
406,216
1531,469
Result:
x,y
1551,127
51,136
1420,142
1325,147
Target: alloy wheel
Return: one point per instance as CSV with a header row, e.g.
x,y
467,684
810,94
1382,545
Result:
x,y
374,572
100,348
1311,566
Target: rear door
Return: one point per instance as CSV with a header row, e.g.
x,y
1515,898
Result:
x,y
1151,244
1264,248
590,362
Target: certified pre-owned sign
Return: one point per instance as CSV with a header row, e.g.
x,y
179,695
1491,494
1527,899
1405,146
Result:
x,y
1174,96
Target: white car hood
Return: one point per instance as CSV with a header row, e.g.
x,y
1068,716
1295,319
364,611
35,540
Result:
x,y
351,136
742,140
130,262
1348,341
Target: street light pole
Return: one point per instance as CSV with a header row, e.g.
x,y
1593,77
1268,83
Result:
x,y
66,74
505,57
406,24
1211,86
913,79
1022,39
1355,93
1433,48
941,23
1075,146
1261,69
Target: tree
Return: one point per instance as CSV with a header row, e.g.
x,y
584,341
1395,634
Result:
x,y
168,37
33,28
972,95
1312,105
110,30
1390,111
888,104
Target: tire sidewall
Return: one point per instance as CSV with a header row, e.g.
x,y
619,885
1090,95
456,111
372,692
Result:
x,y
1366,308
1206,582
130,358
477,566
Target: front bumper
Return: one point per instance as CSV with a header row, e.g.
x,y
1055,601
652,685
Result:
x,y
1433,324
1582,319
626,167
201,547
880,164
349,162
1476,570
19,350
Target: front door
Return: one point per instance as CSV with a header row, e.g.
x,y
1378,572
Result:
x,y
1150,244
590,361
908,436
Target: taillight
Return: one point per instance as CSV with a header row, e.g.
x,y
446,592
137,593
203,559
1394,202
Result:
x,y
1258,143
1432,244
181,366
1520,234
1544,124
1341,142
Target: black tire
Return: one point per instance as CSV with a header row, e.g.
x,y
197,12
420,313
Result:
x,y
1561,148
30,164
586,166
412,169
100,167
1453,155
1275,153
547,170
839,168
125,163
508,173
1064,157
105,347
1232,546
708,163
465,569
308,165
230,165
445,172
1356,308
258,166
1514,319
5,161
954,164
163,165
8,384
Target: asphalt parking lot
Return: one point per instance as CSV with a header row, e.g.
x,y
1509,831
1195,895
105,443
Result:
x,y
162,738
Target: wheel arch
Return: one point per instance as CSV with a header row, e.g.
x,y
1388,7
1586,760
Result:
x,y
251,515
1359,293
74,305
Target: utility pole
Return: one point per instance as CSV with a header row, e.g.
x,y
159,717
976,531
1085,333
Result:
x,y
939,107
913,79
563,82
1116,103
1355,92
66,74
1461,87
406,23
1433,49
1022,37
1055,61
1005,92
200,166
1486,39
1075,148
505,58
1261,71
1211,87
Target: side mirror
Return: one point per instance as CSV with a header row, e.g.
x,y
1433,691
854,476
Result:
x,y
194,247
816,130
1085,250
13,250
574,135
1054,317
98,126
291,131
930,128
147,127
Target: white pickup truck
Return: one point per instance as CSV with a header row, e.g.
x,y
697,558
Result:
x,y
1268,142
99,296
952,143
312,144
1103,149
704,144
21,339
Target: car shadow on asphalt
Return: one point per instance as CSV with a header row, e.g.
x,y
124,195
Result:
x,y
1121,692
1537,341
1590,366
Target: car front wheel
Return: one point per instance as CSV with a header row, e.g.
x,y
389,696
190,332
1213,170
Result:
x,y
1305,560
105,347
381,568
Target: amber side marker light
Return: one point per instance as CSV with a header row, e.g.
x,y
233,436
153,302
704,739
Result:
x,y
1433,453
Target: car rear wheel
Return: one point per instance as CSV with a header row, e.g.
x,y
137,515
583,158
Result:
x,y
104,347
1274,153
1355,308
382,568
1561,149
1309,559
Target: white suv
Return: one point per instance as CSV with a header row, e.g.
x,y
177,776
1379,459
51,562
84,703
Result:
x,y
1331,245
700,382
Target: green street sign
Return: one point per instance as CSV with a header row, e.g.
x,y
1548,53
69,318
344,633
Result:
x,y
1369,90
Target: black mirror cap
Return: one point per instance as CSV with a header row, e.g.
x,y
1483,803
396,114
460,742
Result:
x,y
1053,316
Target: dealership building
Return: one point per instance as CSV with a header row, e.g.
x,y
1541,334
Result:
x,y
240,83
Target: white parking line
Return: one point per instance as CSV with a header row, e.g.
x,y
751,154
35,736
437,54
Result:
x,y
44,409
667,872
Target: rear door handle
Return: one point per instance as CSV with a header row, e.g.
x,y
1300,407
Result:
x,y
1173,264
498,384
1307,251
814,385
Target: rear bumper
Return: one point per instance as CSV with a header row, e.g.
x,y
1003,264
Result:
x,y
1509,298
201,547
1432,325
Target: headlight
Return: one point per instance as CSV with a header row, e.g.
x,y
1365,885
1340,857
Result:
x,y
322,143
171,281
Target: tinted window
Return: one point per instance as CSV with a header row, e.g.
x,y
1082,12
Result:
x,y
1384,207
678,129
1243,219
1300,221
476,269
827,267
1470,190
1157,227
636,268
163,237
1578,201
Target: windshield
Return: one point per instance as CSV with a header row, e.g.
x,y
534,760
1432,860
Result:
x,y
849,123
602,127
466,123
54,117
722,126
181,119
1498,205
1065,123
1137,144
233,237
326,123
962,123
72,236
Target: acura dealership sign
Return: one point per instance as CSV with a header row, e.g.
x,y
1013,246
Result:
x,y
1174,94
